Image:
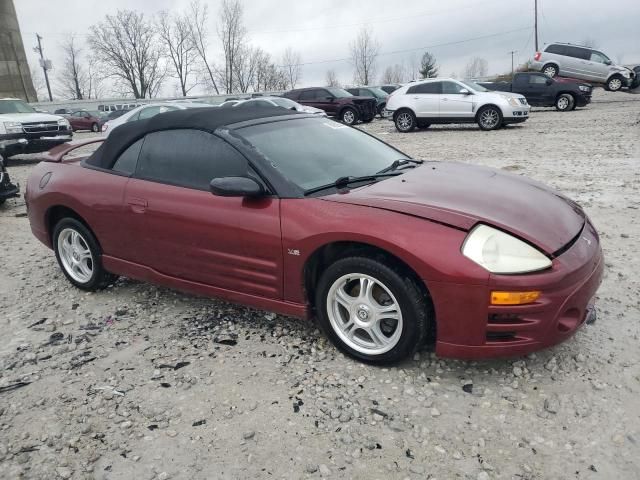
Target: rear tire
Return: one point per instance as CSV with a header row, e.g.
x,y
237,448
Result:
x,y
565,102
79,255
489,118
349,116
405,121
384,324
551,70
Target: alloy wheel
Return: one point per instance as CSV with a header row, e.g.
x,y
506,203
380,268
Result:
x,y
550,71
404,121
349,117
563,103
489,118
364,314
75,255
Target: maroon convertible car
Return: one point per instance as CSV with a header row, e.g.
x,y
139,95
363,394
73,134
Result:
x,y
305,216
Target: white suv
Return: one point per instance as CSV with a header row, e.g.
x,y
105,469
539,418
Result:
x,y
420,104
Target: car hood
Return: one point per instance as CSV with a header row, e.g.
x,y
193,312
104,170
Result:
x,y
29,117
461,195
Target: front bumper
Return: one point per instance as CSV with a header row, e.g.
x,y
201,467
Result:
x,y
17,143
515,115
473,329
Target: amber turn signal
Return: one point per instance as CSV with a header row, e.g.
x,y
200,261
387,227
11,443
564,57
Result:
x,y
514,298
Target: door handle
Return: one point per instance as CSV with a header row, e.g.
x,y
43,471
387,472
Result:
x,y
138,205
445,99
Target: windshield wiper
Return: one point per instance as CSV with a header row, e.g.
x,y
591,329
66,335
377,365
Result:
x,y
399,163
345,181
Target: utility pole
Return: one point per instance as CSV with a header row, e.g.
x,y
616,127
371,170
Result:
x,y
535,23
44,66
512,52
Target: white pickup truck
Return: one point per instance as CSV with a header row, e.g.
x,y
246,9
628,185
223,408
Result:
x,y
24,130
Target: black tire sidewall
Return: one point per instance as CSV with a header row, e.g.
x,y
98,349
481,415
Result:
x,y
95,128
414,121
572,102
409,296
355,116
99,274
554,66
498,124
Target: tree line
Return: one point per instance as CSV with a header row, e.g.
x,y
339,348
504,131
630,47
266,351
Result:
x,y
140,55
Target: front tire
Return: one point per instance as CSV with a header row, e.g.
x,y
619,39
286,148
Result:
x,y
372,310
349,116
614,83
565,102
95,128
79,255
405,121
489,118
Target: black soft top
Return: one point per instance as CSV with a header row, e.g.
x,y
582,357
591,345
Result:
x,y
207,119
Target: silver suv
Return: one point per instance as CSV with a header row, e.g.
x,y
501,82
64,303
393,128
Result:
x,y
584,63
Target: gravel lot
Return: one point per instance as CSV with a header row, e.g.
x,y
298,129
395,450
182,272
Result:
x,y
148,383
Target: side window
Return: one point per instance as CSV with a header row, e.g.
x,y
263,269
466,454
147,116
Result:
x,y
451,88
126,162
538,79
557,49
598,57
134,117
322,94
431,87
578,52
188,158
308,95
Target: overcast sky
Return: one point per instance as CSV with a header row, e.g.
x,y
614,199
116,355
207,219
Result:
x,y
322,30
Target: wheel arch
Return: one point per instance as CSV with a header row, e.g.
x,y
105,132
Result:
x,y
330,252
56,213
555,64
482,107
402,109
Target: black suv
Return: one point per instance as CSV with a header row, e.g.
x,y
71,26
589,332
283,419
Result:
x,y
336,102
372,92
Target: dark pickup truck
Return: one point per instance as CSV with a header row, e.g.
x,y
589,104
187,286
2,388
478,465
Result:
x,y
543,91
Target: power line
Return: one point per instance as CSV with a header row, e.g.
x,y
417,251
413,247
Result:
x,y
336,60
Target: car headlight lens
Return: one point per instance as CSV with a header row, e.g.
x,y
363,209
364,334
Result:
x,y
514,102
64,123
499,252
13,127
583,88
626,73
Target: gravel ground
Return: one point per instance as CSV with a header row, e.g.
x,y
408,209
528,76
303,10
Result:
x,y
144,382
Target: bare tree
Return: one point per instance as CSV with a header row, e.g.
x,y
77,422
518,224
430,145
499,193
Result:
x,y
72,76
332,79
197,23
291,64
246,62
364,52
232,33
175,34
268,76
94,79
428,66
127,46
476,67
393,74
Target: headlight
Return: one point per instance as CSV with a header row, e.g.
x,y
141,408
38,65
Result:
x,y
514,102
499,252
13,127
63,122
584,88
626,73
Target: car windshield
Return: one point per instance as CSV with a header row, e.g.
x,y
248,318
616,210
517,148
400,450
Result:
x,y
339,92
298,149
474,86
15,106
284,102
378,92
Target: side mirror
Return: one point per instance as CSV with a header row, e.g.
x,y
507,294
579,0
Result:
x,y
236,187
329,98
548,81
607,62
464,91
